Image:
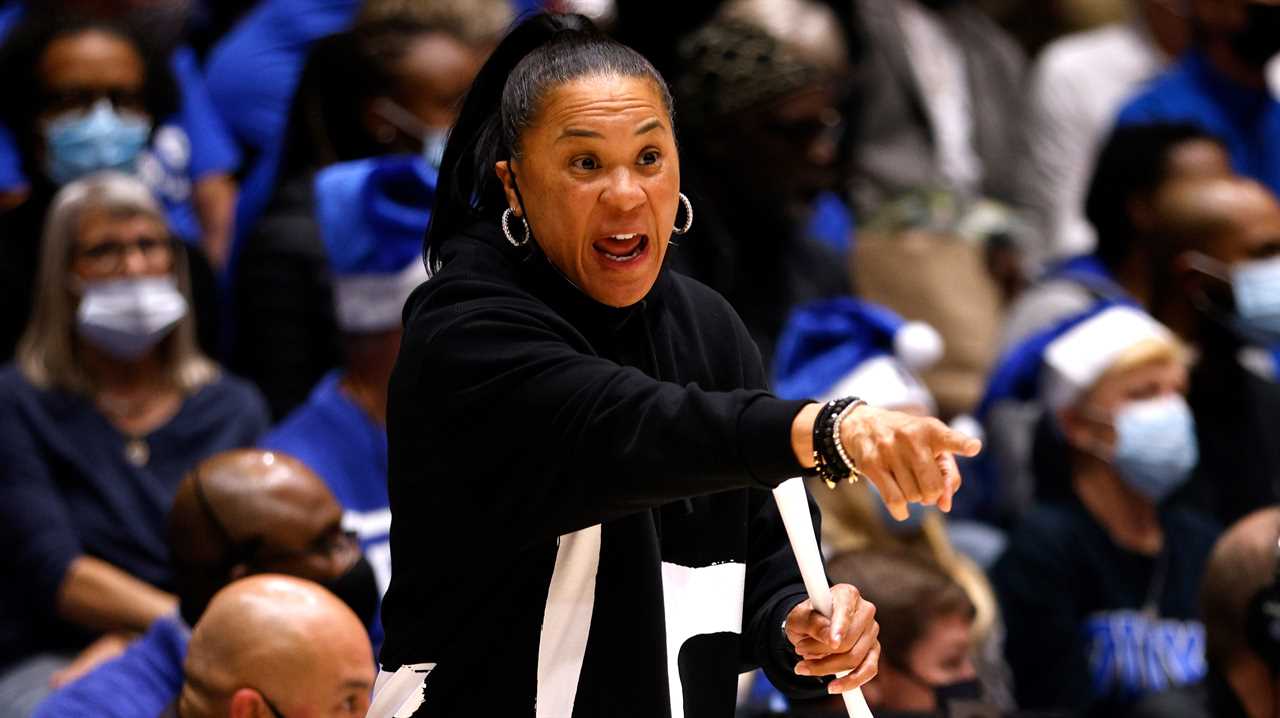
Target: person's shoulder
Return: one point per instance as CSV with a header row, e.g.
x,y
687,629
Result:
x,y
709,313
1169,96
229,394
310,427
685,291
476,280
1088,50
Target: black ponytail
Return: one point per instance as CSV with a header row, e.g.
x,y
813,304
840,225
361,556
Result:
x,y
540,53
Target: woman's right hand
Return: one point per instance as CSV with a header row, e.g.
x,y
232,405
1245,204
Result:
x,y
910,459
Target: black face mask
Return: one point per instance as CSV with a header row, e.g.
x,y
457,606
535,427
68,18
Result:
x,y
1259,40
358,588
959,698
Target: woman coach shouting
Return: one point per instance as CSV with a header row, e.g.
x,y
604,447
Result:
x,y
580,444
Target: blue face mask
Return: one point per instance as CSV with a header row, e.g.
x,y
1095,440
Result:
x,y
1156,446
79,143
1256,287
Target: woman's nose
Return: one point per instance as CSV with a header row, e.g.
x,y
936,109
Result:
x,y
135,262
623,193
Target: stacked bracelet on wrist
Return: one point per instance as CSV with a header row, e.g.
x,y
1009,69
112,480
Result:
x,y
831,462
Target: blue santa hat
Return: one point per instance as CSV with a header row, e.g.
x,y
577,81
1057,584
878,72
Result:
x,y
844,346
1058,364
373,214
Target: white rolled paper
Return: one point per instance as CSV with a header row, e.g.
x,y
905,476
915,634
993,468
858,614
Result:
x,y
793,505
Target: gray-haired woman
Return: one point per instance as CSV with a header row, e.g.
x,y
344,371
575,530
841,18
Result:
x,y
580,444
108,405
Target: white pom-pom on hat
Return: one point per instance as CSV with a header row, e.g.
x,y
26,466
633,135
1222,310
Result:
x,y
918,345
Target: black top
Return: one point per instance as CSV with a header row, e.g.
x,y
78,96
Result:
x,y
1093,626
286,332
578,495
1236,416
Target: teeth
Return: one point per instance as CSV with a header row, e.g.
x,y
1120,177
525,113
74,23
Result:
x,y
623,237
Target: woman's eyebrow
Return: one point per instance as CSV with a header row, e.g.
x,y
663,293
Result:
x,y
579,132
650,126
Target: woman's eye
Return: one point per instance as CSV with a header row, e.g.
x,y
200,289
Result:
x,y
586,163
650,157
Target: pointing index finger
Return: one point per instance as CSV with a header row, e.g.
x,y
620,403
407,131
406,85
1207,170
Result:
x,y
957,443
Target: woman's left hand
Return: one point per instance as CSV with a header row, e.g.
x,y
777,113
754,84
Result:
x,y
848,641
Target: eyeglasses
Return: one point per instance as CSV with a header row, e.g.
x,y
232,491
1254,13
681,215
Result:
x,y
331,543
81,98
110,256
270,706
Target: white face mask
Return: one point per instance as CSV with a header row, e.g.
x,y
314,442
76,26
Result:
x,y
127,317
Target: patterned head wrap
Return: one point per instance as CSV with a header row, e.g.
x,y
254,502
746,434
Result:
x,y
730,66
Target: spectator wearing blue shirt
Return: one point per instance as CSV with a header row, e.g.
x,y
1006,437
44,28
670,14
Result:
x,y
372,215
192,158
108,406
391,86
1221,85
238,513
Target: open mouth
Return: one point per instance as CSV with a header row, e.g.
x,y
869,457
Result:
x,y
622,248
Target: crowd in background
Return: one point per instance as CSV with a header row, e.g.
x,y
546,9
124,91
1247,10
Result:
x,y
1054,225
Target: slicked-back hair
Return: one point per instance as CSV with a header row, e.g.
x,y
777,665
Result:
x,y
540,54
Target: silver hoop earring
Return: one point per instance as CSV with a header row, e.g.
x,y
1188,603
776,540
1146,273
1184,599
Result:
x,y
506,228
688,212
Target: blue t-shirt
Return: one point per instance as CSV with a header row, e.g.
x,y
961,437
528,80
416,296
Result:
x,y
1246,119
70,490
139,683
338,441
252,74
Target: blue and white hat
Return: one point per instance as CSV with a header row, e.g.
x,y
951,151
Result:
x,y
1059,364
373,214
844,346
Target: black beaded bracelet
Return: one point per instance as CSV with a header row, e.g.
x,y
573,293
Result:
x,y
830,461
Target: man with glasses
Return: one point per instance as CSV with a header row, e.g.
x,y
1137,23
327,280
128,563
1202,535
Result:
x,y
237,514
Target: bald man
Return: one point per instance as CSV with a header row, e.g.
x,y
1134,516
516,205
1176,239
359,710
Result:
x,y
271,645
1218,287
1244,661
238,513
